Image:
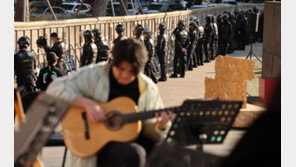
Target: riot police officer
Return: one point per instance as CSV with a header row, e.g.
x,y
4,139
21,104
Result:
x,y
214,38
138,32
103,50
89,53
25,65
119,30
241,31
219,24
209,32
48,73
224,35
149,45
199,45
160,51
232,21
181,44
191,49
58,48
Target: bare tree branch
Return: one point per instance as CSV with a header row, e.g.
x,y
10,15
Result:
x,y
141,10
52,12
123,5
79,8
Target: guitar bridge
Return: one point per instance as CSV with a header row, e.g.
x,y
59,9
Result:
x,y
85,123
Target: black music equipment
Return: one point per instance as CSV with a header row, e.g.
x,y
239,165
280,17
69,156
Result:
x,y
42,117
253,23
209,125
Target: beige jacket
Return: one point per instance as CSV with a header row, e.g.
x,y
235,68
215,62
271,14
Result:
x,y
93,82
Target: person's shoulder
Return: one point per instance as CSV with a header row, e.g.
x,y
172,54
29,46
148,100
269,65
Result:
x,y
98,67
148,81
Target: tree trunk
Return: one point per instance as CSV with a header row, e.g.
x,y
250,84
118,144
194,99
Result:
x,y
99,8
22,11
123,8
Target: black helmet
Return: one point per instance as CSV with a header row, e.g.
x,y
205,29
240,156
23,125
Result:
x,y
225,16
147,31
139,28
192,18
256,9
54,34
41,42
161,26
23,42
192,23
51,58
208,18
119,28
181,24
88,34
96,33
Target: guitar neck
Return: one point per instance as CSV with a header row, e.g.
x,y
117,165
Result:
x,y
128,118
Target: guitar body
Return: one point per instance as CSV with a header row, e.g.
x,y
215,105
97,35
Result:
x,y
85,144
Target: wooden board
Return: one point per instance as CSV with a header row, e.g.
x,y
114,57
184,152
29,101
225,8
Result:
x,y
230,81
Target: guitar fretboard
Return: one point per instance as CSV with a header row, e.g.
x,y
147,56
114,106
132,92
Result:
x,y
128,118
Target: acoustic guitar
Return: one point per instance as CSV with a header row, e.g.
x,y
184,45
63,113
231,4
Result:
x,y
122,124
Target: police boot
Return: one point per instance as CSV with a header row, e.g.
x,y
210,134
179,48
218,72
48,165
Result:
x,y
162,79
207,60
174,76
212,56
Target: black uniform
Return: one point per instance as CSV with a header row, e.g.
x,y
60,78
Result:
x,y
214,40
232,22
160,52
241,31
58,48
148,69
139,32
224,36
118,39
191,58
24,68
46,76
199,46
102,50
219,24
209,32
89,54
182,41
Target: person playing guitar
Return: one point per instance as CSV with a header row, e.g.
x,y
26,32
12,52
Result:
x,y
103,82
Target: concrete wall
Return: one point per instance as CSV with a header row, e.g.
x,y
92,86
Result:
x,y
271,67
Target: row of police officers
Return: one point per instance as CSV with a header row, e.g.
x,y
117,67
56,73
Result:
x,y
221,34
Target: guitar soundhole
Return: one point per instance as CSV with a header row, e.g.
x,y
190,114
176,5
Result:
x,y
113,120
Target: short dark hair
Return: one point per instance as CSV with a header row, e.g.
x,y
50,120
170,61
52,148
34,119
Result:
x,y
132,51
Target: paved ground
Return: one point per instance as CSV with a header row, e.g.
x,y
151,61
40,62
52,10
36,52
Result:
x,y
174,92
